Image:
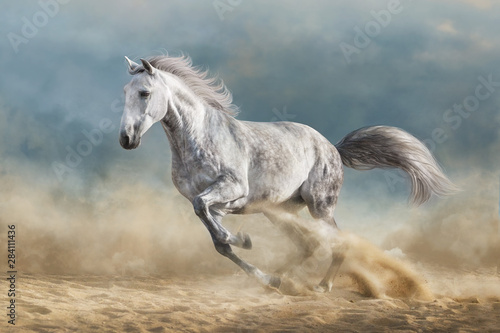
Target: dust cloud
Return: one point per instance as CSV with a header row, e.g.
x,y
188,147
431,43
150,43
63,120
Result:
x,y
371,271
461,231
132,229
131,256
378,274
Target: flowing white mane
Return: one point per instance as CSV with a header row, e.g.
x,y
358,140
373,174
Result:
x,y
211,89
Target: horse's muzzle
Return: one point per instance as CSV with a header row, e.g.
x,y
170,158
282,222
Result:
x,y
128,142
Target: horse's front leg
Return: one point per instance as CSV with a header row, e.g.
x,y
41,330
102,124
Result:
x,y
265,279
224,190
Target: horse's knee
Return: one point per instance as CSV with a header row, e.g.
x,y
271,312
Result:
x,y
199,206
311,244
222,248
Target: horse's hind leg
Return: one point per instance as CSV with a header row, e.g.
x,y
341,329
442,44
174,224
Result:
x,y
337,260
306,242
320,192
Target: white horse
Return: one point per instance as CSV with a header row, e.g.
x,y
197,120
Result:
x,y
226,166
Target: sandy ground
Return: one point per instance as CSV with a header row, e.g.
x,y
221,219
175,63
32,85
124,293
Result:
x,y
462,302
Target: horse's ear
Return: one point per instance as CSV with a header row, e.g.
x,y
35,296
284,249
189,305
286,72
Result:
x,y
132,66
147,66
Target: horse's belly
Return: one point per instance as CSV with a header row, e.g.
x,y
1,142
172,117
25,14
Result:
x,y
277,187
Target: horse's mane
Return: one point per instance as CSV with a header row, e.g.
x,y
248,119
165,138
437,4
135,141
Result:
x,y
209,88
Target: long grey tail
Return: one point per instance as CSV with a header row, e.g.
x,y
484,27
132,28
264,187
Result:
x,y
391,147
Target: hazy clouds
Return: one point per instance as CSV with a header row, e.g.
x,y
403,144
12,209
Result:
x,y
284,55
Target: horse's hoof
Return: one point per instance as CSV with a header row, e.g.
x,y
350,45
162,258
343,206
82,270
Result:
x,y
246,241
322,288
275,282
319,289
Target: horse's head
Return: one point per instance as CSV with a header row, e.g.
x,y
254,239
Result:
x,y
146,98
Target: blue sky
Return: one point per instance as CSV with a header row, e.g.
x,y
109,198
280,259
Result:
x,y
63,71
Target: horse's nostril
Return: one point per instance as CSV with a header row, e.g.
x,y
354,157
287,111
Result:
x,y
125,140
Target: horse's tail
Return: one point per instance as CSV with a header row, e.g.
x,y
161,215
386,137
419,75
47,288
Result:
x,y
391,147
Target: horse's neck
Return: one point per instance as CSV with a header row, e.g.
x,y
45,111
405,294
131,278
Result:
x,y
188,124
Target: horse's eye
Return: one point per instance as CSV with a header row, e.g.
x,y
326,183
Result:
x,y
144,93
